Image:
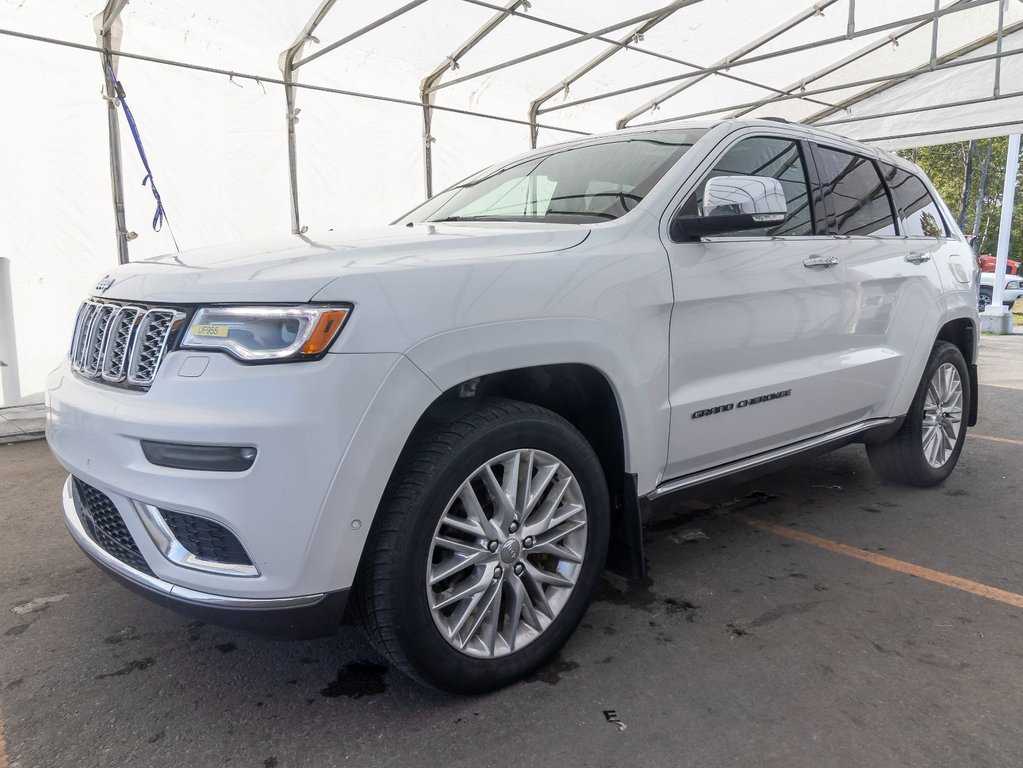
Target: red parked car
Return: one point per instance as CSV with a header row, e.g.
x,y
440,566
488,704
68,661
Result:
x,y
987,264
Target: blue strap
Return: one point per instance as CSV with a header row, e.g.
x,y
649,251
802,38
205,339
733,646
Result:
x,y
160,216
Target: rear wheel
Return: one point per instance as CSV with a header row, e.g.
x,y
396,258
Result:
x,y
984,298
488,547
927,446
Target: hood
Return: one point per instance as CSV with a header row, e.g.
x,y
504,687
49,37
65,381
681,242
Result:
x,y
295,268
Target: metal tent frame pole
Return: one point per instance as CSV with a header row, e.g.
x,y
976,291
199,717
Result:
x,y
109,31
815,10
427,95
286,61
1005,226
926,18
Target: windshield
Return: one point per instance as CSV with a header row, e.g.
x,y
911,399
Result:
x,y
575,184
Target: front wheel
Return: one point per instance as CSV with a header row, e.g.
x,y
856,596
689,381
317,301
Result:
x,y
927,446
488,546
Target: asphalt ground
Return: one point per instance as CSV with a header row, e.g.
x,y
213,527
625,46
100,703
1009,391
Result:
x,y
782,624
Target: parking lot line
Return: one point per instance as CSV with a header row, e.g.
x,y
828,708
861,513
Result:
x,y
4,762
938,577
996,439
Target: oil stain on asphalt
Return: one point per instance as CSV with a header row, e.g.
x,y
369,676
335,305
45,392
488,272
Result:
x,y
356,680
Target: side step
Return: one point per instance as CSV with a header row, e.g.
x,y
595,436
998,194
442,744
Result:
x,y
825,442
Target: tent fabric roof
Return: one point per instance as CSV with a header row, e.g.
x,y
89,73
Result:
x,y
876,70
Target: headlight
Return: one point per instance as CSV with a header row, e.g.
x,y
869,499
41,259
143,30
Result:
x,y
257,334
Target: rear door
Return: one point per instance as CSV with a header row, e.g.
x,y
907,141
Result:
x,y
891,283
757,331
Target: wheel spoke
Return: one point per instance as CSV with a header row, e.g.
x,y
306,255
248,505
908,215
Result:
x,y
548,577
486,605
453,565
558,551
459,546
537,488
465,589
544,515
504,510
474,511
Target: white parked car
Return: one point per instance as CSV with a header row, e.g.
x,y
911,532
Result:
x,y
1011,293
453,423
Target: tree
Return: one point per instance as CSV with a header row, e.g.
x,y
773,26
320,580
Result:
x,y
946,165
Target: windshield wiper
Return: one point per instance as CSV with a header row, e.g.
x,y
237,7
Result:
x,y
467,218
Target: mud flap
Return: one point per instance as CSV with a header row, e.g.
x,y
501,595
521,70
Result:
x,y
625,549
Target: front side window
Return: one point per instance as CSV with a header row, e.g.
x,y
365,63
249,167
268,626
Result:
x,y
857,201
775,158
920,214
579,184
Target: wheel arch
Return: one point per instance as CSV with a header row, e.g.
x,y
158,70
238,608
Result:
x,y
961,332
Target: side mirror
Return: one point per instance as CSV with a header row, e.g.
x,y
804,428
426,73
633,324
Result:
x,y
733,203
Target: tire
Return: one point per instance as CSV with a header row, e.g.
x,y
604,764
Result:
x,y
984,298
905,458
409,618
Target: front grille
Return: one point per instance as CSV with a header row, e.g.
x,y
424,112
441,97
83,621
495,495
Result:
x,y
206,539
120,343
106,527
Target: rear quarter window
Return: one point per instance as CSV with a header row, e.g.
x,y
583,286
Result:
x,y
919,213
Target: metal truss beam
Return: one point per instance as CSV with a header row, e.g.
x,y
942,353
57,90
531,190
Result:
x,y
597,35
596,61
427,95
844,86
358,33
813,11
964,5
936,63
892,39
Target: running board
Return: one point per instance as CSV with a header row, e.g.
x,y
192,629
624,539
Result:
x,y
752,462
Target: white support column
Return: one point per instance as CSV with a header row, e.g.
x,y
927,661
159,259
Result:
x,y
1003,323
10,382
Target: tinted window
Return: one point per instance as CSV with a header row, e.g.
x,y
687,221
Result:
x,y
857,201
920,215
577,184
777,158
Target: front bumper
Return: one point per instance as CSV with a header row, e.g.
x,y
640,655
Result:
x,y
327,435
299,617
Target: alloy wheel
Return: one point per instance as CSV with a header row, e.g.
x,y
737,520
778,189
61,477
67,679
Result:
x,y
506,553
943,415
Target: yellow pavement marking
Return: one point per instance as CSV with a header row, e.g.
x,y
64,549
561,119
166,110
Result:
x,y
946,579
994,439
4,762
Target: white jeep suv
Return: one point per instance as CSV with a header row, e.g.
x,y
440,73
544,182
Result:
x,y
453,424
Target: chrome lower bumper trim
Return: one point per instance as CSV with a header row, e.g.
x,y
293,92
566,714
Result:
x,y
159,586
715,473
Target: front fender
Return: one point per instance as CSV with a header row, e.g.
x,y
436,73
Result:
x,y
635,371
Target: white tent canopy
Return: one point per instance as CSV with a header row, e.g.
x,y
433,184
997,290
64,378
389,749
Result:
x,y
206,85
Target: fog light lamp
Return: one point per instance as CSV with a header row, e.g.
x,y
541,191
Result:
x,y
210,458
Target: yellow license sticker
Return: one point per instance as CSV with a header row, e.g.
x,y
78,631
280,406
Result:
x,y
210,331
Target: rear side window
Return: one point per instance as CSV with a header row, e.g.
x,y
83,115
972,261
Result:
x,y
919,212
857,202
778,159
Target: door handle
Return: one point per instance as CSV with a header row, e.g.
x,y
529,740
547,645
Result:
x,y
917,257
820,261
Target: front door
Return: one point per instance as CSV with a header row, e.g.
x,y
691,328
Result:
x,y
758,330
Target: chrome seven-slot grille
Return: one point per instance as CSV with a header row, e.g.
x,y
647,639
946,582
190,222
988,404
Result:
x,y
121,343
